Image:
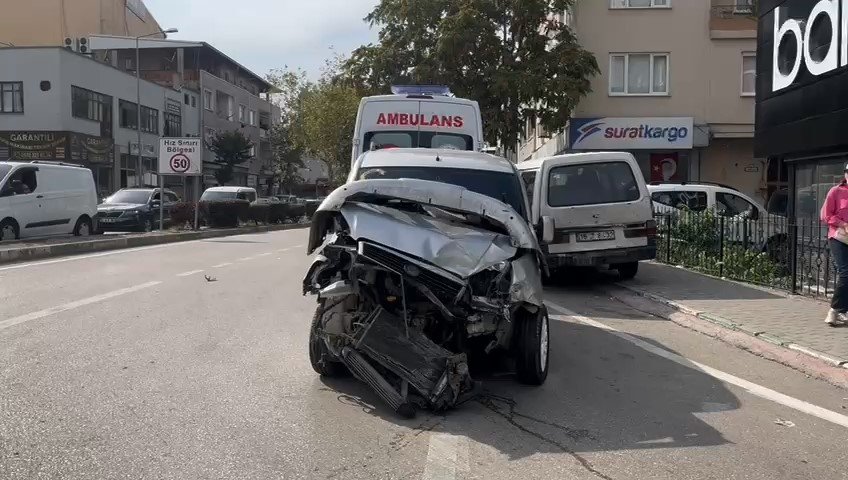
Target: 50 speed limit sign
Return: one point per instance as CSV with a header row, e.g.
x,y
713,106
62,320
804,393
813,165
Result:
x,y
180,156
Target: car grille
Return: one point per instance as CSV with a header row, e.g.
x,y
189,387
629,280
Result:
x,y
110,214
440,285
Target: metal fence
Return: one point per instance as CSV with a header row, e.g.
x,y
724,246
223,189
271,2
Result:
x,y
768,251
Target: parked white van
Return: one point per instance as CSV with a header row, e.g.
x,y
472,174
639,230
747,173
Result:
x,y
46,198
417,117
229,193
592,209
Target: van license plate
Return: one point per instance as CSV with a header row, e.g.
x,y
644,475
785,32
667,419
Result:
x,y
596,236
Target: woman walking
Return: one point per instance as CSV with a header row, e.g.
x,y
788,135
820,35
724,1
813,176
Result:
x,y
835,214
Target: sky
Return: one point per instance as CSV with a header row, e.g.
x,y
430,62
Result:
x,y
267,34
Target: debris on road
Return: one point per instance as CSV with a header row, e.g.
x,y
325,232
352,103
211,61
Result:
x,y
784,423
210,279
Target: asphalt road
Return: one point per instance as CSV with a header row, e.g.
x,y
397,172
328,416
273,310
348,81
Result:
x,y
131,364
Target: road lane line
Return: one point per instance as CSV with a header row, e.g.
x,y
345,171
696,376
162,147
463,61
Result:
x,y
750,387
222,265
72,305
245,259
445,457
264,254
189,273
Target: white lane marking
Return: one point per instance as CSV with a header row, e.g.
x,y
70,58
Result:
x,y
93,255
222,265
72,305
447,457
750,387
189,273
245,259
264,254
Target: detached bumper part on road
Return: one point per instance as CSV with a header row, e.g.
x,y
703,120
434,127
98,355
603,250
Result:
x,y
602,257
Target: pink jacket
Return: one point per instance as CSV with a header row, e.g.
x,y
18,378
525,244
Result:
x,y
835,209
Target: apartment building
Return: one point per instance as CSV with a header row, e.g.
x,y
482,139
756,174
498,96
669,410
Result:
x,y
230,96
58,105
50,22
676,88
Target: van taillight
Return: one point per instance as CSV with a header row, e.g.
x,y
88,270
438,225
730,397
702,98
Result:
x,y
648,229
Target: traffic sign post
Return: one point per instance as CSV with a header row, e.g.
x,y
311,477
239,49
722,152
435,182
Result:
x,y
179,156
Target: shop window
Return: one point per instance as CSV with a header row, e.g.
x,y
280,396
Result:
x,y
639,74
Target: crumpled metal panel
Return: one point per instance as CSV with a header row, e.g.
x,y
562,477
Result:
x,y
526,281
432,193
460,249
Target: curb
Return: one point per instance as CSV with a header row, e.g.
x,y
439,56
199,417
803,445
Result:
x,y
729,325
39,252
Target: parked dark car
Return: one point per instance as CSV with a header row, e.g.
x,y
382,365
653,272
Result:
x,y
134,209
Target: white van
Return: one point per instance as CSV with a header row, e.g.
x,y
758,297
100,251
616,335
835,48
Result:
x,y
229,193
592,209
46,198
417,117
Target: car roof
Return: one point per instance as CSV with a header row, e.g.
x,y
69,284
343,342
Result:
x,y
431,157
423,98
577,158
229,189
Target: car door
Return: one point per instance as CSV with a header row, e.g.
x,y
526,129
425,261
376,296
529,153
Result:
x,y
27,202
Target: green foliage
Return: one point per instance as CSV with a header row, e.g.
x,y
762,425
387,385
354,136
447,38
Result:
x,y
515,57
259,213
695,242
224,213
182,213
230,148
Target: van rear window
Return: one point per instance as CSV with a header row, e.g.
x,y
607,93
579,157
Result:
x,y
414,139
591,184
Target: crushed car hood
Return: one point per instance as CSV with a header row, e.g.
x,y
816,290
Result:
x,y
457,248
443,195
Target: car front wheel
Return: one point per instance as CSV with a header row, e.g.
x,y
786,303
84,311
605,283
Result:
x,y
323,361
533,348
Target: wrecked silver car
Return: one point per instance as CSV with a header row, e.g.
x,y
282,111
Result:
x,y
415,276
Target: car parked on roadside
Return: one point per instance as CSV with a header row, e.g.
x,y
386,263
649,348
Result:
x,y
213,194
134,209
46,198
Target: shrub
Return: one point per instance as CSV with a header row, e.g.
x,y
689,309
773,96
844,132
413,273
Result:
x,y
258,213
224,213
278,213
182,213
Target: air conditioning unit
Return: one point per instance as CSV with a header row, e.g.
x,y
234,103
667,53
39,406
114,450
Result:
x,y
83,45
70,44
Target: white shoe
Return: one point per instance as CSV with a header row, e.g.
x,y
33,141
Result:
x,y
835,319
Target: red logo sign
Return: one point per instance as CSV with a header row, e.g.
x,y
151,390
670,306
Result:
x,y
664,167
415,120
180,163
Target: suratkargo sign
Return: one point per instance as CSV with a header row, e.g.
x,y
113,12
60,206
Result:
x,y
420,120
813,42
180,156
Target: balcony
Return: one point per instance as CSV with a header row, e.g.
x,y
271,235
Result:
x,y
734,20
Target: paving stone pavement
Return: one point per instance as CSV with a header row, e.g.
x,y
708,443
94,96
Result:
x,y
795,319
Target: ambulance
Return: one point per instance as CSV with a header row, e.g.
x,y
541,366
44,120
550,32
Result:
x,y
417,116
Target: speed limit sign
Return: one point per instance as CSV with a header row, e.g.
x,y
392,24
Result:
x,y
180,163
180,156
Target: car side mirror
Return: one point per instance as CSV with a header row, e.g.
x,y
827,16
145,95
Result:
x,y
547,229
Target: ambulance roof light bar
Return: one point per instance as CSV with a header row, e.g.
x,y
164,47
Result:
x,y
422,90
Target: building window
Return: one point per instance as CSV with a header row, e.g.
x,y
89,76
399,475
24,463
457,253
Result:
x,y
149,120
208,100
242,113
252,118
90,105
127,115
185,97
173,125
11,97
640,3
638,74
743,6
749,74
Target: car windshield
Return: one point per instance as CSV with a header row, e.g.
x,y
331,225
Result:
x,y
415,139
499,185
130,196
214,196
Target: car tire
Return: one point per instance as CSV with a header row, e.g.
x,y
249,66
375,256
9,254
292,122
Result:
x,y
627,271
83,228
533,348
9,230
323,361
146,226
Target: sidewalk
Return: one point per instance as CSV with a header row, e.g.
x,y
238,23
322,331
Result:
x,y
790,321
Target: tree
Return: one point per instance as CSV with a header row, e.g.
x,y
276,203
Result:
x,y
515,57
288,157
230,148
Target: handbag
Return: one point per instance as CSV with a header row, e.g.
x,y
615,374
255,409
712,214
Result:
x,y
841,236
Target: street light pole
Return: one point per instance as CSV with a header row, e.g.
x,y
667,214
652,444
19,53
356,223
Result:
x,y
138,98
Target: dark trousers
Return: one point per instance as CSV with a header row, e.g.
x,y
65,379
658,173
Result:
x,y
839,252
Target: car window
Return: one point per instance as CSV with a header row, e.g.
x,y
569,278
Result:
x,y
250,196
415,139
129,196
212,196
591,184
694,201
381,140
732,205
529,178
23,181
171,197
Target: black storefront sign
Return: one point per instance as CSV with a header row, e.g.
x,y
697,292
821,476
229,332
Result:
x,y
802,78
69,147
